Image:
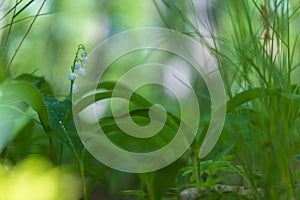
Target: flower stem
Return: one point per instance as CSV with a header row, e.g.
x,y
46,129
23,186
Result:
x,y
80,47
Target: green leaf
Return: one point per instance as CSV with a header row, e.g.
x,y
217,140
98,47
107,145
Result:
x,y
165,178
172,121
58,110
12,121
30,95
244,97
252,94
39,82
205,165
90,99
134,144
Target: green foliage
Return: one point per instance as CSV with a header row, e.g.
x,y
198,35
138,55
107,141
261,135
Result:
x,y
30,95
256,52
156,183
14,116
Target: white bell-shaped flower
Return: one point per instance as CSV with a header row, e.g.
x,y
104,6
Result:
x,y
81,71
83,53
77,65
85,59
72,76
75,88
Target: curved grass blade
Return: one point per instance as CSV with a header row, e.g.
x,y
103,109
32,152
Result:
x,y
90,99
249,95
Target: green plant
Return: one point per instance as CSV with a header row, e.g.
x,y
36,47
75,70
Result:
x,y
256,156
257,56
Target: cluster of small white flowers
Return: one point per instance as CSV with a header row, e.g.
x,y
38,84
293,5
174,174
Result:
x,y
78,70
84,57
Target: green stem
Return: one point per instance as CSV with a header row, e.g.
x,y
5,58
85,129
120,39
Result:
x,y
150,192
47,129
80,47
52,152
196,166
71,89
7,71
59,162
81,165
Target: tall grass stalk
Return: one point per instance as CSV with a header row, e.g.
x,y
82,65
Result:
x,y
9,19
255,49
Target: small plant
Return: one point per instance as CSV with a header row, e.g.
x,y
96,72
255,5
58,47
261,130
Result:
x,y
77,69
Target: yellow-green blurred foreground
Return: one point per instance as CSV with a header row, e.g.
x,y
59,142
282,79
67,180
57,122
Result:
x,y
36,179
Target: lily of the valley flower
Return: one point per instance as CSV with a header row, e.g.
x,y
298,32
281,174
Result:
x,y
81,71
77,65
77,68
85,59
83,53
75,88
72,76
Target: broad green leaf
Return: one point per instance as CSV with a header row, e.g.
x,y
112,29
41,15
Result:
x,y
58,110
112,129
12,120
172,121
90,99
38,82
15,114
140,117
134,144
31,95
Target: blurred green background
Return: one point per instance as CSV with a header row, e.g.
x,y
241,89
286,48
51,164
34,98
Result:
x,y
50,47
51,44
